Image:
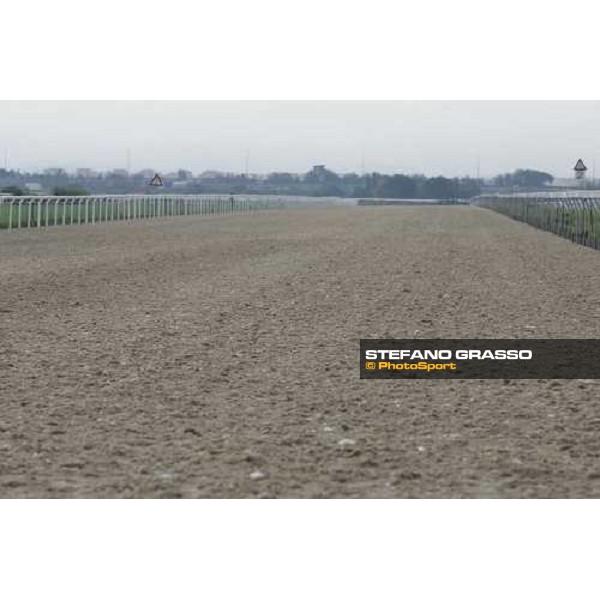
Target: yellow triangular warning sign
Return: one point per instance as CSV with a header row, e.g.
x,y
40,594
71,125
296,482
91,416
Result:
x,y
580,166
156,180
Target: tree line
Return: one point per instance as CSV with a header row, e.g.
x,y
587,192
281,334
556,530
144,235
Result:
x,y
317,182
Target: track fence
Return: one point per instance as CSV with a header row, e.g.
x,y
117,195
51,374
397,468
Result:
x,y
28,212
574,217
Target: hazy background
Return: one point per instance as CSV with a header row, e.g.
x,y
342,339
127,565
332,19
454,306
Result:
x,y
430,137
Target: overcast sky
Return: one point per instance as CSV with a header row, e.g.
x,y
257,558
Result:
x,y
434,138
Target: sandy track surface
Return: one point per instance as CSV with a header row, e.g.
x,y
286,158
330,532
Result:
x,y
218,357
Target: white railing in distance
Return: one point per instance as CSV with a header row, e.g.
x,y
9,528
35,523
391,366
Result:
x,y
26,212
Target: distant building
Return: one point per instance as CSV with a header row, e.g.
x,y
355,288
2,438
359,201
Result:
x,y
86,173
55,172
120,173
318,172
563,182
33,187
146,173
211,175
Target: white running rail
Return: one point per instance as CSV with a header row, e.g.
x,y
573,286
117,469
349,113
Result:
x,y
27,212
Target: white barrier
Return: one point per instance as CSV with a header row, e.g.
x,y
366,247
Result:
x,y
26,212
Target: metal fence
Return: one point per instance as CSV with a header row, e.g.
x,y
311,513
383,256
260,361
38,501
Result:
x,y
19,212
574,217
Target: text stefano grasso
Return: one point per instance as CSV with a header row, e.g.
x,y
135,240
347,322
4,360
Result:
x,y
480,358
499,354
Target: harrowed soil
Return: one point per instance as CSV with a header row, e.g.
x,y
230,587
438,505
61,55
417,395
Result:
x,y
218,356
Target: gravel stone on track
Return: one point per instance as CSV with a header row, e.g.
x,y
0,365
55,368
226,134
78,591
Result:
x,y
218,357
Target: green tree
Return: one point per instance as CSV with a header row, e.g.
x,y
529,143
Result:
x,y
69,190
396,186
467,187
439,188
524,178
13,190
284,178
321,175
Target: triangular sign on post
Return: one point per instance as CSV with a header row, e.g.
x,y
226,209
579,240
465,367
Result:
x,y
580,166
156,180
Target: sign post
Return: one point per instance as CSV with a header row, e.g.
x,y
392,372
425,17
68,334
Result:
x,y
580,170
156,181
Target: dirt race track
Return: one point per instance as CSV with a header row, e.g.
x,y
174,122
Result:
x,y
218,357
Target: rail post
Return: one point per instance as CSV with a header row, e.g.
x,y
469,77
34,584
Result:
x,y
19,215
10,213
